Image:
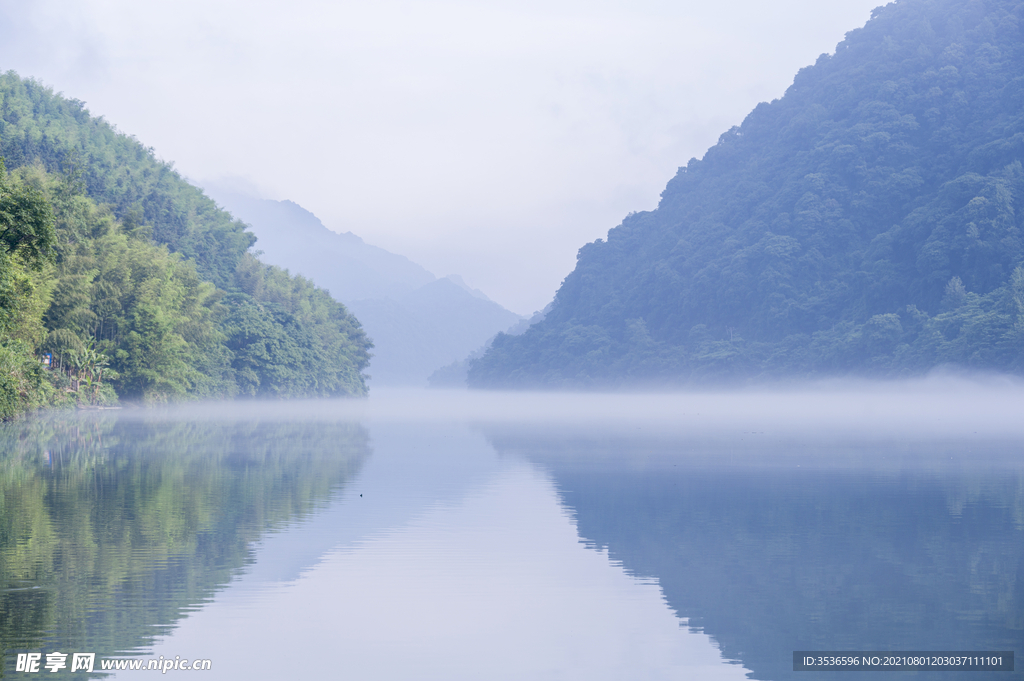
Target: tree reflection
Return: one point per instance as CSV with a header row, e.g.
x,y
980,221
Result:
x,y
111,528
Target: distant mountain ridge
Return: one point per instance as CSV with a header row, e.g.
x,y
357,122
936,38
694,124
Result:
x,y
419,332
417,322
868,222
455,374
346,265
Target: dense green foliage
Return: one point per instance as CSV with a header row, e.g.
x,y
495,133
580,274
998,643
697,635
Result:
x,y
289,338
134,280
116,170
27,240
867,222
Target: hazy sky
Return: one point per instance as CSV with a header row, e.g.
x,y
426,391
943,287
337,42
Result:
x,y
488,139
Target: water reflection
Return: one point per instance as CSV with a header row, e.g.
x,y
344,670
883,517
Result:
x,y
112,529
775,546
609,537
454,563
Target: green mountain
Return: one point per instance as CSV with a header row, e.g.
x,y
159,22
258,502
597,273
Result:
x,y
868,222
135,284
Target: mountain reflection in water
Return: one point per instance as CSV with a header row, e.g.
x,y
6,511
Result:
x,y
771,547
442,535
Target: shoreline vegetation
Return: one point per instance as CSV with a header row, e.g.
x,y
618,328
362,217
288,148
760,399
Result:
x,y
120,280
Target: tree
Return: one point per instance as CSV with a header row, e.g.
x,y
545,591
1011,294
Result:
x,y
26,222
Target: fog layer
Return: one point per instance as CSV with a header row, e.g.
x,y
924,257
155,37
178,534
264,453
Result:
x,y
931,408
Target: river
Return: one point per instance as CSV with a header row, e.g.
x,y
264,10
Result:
x,y
448,535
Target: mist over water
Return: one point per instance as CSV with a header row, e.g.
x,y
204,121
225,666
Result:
x,y
466,535
935,407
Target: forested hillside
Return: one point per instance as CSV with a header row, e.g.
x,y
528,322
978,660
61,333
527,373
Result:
x,y
868,222
136,284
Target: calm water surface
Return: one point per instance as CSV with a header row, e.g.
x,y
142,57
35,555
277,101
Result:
x,y
443,536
